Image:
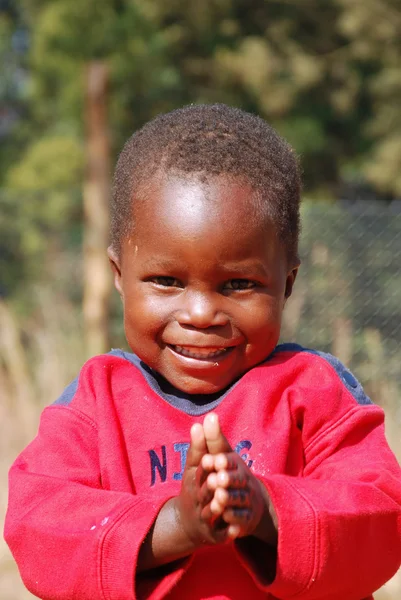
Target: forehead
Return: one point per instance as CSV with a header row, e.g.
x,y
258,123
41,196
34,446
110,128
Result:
x,y
212,207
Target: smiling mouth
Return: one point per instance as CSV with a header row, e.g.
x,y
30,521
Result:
x,y
200,353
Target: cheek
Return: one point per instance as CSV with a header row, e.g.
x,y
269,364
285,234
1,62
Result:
x,y
264,318
143,316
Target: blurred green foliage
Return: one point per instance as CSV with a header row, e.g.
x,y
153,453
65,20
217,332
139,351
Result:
x,y
325,73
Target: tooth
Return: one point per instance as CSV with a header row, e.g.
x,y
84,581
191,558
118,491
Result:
x,y
195,352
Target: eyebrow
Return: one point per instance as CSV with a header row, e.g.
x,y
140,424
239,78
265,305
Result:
x,y
159,263
251,267
241,268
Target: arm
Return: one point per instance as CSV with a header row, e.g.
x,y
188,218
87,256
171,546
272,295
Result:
x,y
96,541
185,523
66,532
242,501
340,524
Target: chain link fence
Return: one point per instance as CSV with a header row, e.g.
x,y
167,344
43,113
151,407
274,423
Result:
x,y
347,299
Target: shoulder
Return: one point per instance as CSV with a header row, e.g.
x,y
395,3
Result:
x,y
111,370
325,399
312,368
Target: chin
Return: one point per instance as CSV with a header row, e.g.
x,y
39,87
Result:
x,y
198,386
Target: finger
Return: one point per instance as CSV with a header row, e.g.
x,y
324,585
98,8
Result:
x,y
207,462
216,508
205,494
204,469
217,523
201,475
197,447
233,531
215,440
219,502
231,479
212,481
237,516
228,462
208,516
234,497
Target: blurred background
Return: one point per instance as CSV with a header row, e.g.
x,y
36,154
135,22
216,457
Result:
x,y
78,78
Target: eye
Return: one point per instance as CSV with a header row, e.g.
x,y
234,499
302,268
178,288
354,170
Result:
x,y
166,281
240,284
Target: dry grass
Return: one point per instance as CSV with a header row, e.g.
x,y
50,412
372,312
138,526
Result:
x,y
33,375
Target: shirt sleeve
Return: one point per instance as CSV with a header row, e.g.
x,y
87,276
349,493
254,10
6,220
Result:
x,y
71,537
339,525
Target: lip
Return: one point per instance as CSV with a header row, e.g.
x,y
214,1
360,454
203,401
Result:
x,y
198,355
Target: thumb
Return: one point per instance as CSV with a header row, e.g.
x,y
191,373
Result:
x,y
215,440
197,446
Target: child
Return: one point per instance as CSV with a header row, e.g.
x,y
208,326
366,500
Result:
x,y
211,462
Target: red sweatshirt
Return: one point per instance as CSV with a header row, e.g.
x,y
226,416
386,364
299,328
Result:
x,y
111,451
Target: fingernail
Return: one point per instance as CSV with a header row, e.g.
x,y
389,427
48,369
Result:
x,y
195,428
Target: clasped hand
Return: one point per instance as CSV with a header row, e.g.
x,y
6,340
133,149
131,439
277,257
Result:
x,y
220,498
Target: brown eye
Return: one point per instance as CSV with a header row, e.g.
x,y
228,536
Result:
x,y
166,281
240,284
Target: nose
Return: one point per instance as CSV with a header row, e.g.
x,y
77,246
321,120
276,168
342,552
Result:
x,y
202,310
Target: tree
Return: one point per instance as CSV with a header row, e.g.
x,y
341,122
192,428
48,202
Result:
x,y
96,273
324,72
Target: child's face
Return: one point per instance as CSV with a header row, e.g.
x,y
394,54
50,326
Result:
x,y
202,283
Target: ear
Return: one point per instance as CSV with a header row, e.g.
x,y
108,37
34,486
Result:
x,y
116,268
289,284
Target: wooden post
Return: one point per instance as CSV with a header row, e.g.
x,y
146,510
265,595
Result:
x,y
96,272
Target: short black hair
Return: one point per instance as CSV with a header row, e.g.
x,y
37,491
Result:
x,y
208,140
